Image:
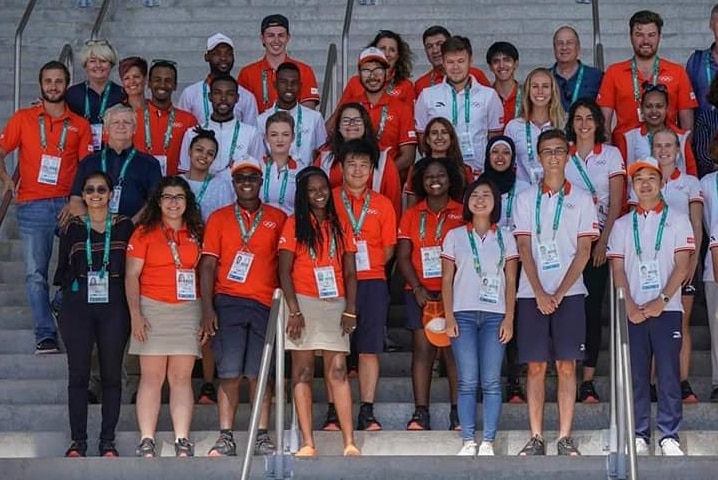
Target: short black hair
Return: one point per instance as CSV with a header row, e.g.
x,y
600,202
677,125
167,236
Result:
x,y
54,65
435,30
501,48
496,212
456,44
552,134
163,64
223,77
645,17
290,67
358,147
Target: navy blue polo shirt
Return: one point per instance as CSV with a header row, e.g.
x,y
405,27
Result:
x,y
142,176
590,84
700,78
75,99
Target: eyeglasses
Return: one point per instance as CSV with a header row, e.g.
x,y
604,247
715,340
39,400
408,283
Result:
x,y
649,87
241,178
161,61
167,198
89,190
368,72
351,121
92,43
553,152
566,43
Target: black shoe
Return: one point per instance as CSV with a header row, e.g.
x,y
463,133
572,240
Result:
x,y
687,393
183,448
107,449
331,424
224,446
366,420
454,424
421,420
587,392
535,446
46,346
654,393
566,446
208,395
714,395
514,392
92,398
264,444
146,448
77,449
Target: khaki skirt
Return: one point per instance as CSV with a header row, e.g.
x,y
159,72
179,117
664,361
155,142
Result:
x,y
322,327
174,328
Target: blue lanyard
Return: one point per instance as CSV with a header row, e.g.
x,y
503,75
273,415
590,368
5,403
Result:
x,y
103,103
106,251
123,170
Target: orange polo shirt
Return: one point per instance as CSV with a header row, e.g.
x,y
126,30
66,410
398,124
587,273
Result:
x,y
378,230
23,131
250,77
223,239
159,273
436,76
616,92
303,267
158,120
402,91
510,104
452,216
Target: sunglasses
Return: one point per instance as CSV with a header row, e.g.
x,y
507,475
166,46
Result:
x,y
92,43
241,178
649,87
89,190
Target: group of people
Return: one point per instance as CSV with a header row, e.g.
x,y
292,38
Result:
x,y
177,223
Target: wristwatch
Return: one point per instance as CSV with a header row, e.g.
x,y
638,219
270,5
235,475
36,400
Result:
x,y
665,298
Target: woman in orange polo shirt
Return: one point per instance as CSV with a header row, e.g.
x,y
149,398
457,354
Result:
x,y
353,122
437,183
161,287
318,275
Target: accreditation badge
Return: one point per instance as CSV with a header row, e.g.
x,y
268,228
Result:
x,y
96,136
649,275
489,289
326,281
362,256
114,206
240,267
186,285
548,256
98,287
431,262
49,170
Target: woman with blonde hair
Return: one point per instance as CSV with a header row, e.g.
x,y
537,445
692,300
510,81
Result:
x,y
541,110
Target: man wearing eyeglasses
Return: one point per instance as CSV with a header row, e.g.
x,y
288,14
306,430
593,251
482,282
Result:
x,y
622,85
51,140
574,79
703,65
195,98
162,126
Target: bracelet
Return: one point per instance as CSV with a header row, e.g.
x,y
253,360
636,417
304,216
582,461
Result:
x,y
350,315
295,314
414,289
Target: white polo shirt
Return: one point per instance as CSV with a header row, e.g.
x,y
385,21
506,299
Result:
x,y
710,220
508,204
469,290
600,165
677,237
309,133
277,191
679,192
218,193
485,115
247,146
638,146
193,98
516,131
578,219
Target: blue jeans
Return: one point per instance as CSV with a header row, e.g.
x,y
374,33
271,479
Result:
x,y
478,353
37,220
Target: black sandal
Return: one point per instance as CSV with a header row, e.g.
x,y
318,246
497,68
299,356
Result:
x,y
224,446
183,448
77,449
146,448
107,449
535,446
566,446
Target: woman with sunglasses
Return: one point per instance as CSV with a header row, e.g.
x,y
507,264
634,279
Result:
x,y
318,275
162,294
637,143
597,168
133,74
353,123
90,272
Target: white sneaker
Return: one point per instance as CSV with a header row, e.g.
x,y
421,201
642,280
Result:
x,y
671,448
641,446
468,449
486,449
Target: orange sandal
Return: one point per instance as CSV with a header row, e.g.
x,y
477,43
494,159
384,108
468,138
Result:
x,y
306,451
352,451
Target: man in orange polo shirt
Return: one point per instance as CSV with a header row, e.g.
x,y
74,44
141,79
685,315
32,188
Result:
x,y
624,82
258,77
433,38
373,221
238,275
52,140
162,126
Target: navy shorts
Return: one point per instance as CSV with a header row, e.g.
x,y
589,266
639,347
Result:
x,y
372,311
239,342
545,338
414,313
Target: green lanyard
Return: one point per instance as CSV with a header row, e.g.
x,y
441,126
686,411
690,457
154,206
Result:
x,y
332,249
584,175
422,227
203,189
168,132
634,74
529,143
43,134
247,235
268,180
382,122
577,87
477,260
205,102
265,88
510,202
299,124
123,170
519,99
707,65
557,213
173,248
106,251
659,234
103,103
455,107
235,136
356,225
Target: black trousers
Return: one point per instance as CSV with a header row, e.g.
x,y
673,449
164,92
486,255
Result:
x,y
82,325
595,280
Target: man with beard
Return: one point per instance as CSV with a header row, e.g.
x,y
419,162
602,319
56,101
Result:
x,y
162,125
574,79
260,77
624,82
195,98
309,131
51,140
237,140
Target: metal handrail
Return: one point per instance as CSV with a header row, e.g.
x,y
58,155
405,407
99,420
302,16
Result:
x,y
598,60
329,98
67,57
100,20
625,350
345,42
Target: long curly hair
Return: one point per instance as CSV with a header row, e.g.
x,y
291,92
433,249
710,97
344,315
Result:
x,y
336,139
152,216
455,174
405,62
